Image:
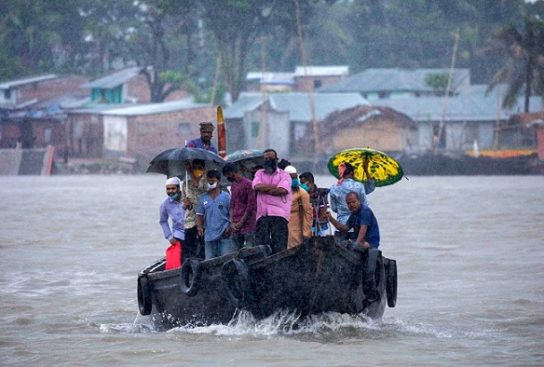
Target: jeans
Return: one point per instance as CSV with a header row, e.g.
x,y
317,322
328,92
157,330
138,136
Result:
x,y
244,240
272,231
219,247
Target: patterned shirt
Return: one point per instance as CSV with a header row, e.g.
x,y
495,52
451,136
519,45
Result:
x,y
338,195
193,194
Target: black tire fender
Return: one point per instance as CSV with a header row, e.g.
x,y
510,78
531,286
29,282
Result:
x,y
190,275
235,274
391,284
144,295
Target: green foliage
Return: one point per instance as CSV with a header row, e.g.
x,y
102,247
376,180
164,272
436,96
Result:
x,y
437,81
181,41
522,50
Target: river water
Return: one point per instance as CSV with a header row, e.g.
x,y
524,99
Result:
x,y
470,253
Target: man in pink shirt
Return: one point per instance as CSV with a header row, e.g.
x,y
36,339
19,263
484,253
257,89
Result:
x,y
273,188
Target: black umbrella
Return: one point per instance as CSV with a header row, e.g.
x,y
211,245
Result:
x,y
171,162
246,160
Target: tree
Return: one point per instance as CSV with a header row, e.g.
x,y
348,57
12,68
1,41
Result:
x,y
236,24
523,50
437,81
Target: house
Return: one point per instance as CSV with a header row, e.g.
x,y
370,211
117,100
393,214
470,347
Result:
x,y
270,81
31,109
143,131
376,127
127,85
309,78
384,83
283,121
458,123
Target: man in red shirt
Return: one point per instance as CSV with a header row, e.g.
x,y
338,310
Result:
x,y
243,207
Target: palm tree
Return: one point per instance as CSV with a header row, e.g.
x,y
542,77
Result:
x,y
524,60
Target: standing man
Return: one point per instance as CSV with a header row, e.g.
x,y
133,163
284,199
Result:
x,y
366,232
300,222
190,193
243,207
213,218
171,208
338,192
273,187
205,140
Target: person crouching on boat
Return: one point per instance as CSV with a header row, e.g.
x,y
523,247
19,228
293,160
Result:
x,y
213,218
172,208
366,232
300,221
273,187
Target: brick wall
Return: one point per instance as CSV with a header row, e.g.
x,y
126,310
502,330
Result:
x,y
378,134
48,89
137,90
149,135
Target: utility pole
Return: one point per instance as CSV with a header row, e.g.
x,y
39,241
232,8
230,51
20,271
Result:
x,y
311,96
447,97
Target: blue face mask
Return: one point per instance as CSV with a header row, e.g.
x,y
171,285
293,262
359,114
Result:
x,y
295,183
173,197
305,187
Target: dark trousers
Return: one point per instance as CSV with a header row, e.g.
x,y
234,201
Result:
x,y
272,231
193,246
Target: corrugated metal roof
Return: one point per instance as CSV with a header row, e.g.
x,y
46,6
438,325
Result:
x,y
113,80
33,79
154,108
271,77
394,79
297,104
246,102
465,107
312,70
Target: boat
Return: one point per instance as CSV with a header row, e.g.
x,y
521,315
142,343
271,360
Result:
x,y
321,275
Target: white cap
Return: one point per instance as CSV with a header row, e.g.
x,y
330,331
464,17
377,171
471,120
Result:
x,y
290,169
173,181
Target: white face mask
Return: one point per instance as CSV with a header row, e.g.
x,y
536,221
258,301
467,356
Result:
x,y
212,186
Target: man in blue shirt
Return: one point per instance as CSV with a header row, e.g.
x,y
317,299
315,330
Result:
x,y
172,208
205,140
366,232
213,218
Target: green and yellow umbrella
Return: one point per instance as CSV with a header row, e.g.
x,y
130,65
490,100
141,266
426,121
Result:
x,y
383,169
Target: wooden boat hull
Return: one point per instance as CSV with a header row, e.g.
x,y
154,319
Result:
x,y
318,276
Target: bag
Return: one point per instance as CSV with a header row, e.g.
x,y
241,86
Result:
x,y
173,256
